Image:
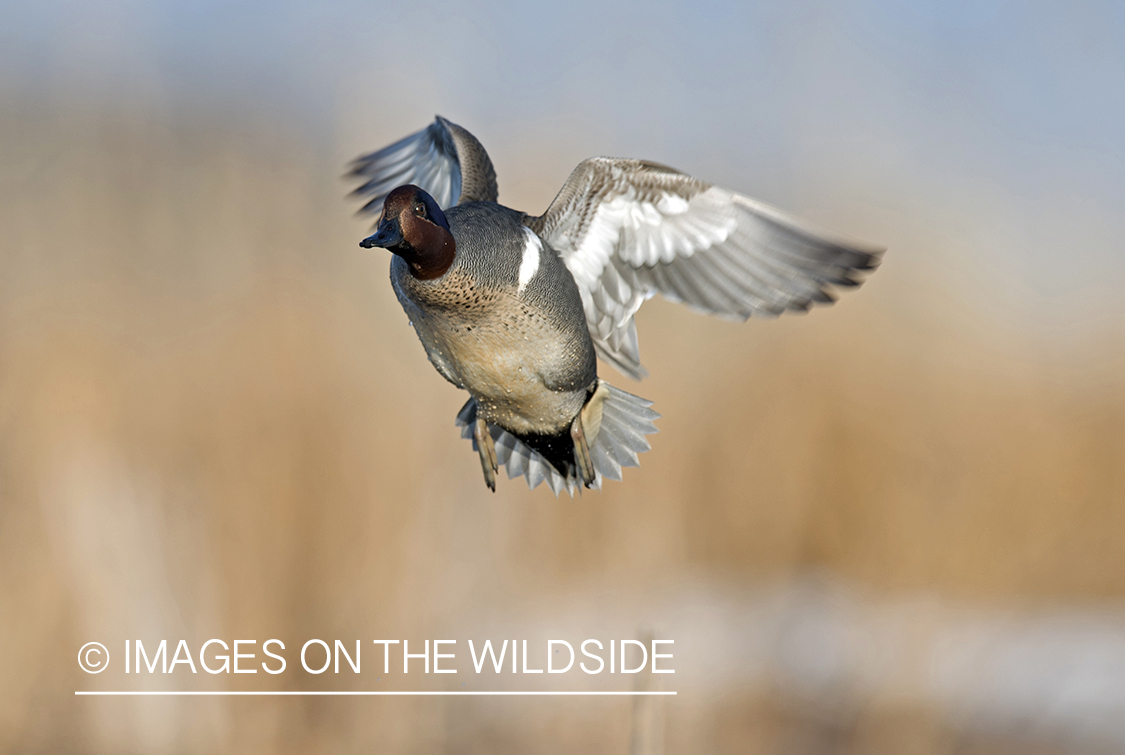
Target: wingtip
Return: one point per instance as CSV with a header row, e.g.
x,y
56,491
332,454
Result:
x,y
874,257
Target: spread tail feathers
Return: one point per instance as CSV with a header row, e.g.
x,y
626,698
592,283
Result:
x,y
624,422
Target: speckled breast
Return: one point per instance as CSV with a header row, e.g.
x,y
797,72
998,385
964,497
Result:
x,y
517,362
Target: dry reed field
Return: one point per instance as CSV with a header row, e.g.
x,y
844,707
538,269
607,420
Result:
x,y
216,422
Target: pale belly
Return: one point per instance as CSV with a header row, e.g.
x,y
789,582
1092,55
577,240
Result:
x,y
506,363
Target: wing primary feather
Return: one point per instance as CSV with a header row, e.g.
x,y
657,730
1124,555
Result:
x,y
445,160
628,229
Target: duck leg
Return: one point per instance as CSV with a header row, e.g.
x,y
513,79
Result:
x,y
582,451
487,450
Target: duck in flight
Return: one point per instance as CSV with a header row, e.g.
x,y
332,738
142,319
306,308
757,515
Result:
x,y
516,308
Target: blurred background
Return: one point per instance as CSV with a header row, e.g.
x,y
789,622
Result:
x,y
891,526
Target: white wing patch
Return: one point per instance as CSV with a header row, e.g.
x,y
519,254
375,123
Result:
x,y
646,233
627,230
642,234
529,266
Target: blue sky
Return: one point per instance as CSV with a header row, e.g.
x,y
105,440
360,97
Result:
x,y
1005,117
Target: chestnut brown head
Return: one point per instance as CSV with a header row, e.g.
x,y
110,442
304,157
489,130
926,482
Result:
x,y
414,227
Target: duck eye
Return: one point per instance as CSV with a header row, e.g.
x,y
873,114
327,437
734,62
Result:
x,y
419,209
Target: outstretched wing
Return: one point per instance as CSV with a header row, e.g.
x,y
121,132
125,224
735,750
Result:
x,y
628,229
443,159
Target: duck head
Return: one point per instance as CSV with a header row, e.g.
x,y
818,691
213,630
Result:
x,y
415,228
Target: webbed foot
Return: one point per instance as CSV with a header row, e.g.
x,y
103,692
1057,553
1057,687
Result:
x,y
582,452
487,450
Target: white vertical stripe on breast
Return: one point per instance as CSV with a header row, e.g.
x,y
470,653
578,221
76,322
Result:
x,y
530,263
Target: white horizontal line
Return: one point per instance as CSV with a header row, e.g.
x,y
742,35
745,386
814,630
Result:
x,y
388,693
